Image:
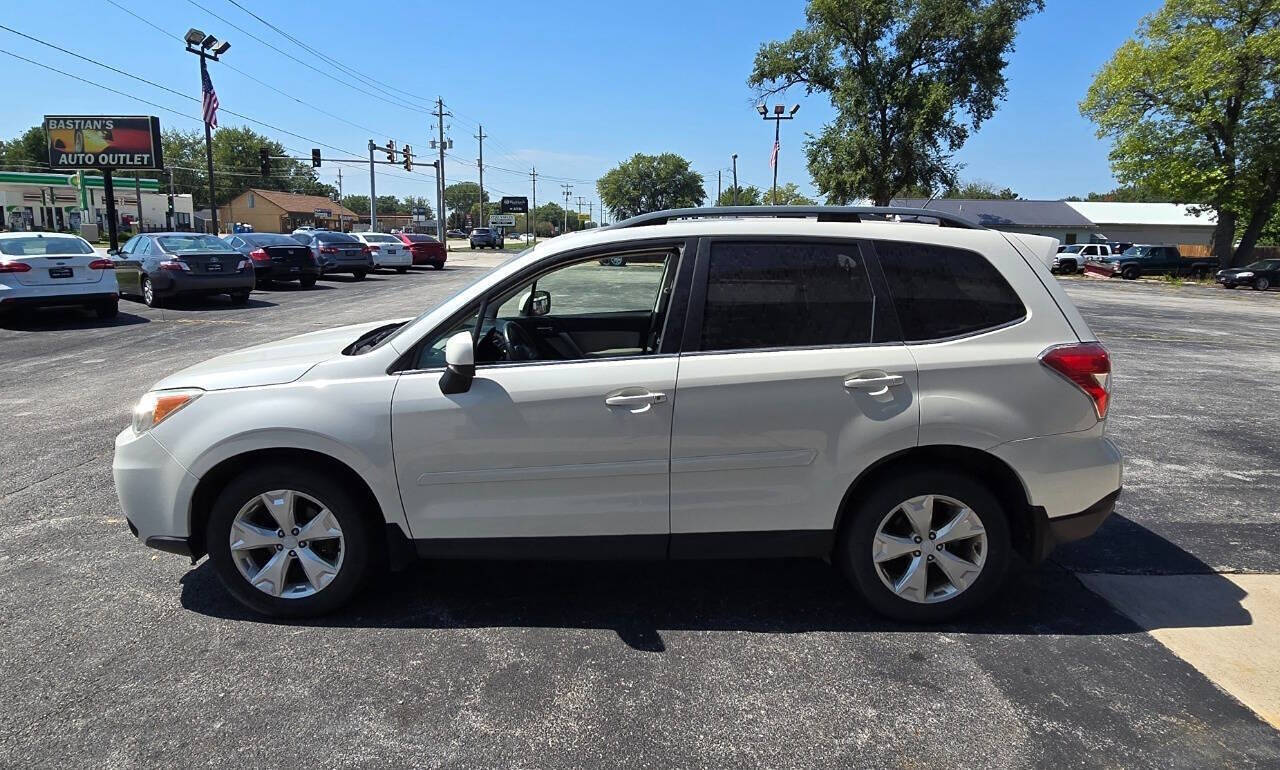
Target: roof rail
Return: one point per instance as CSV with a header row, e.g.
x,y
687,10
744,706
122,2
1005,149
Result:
x,y
821,213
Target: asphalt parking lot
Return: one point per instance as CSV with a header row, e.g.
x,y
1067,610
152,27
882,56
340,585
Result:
x,y
112,654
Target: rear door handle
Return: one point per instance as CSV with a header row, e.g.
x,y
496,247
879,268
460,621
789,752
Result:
x,y
636,399
879,383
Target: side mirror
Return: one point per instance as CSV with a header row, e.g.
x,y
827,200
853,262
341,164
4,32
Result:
x,y
540,303
460,364
112,253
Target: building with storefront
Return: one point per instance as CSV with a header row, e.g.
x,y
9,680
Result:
x,y
54,202
272,211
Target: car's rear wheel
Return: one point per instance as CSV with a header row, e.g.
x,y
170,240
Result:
x,y
402,270
437,265
1130,273
307,282
289,542
239,297
107,309
926,546
149,296
359,275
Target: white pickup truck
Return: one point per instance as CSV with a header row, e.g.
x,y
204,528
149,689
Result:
x,y
1071,258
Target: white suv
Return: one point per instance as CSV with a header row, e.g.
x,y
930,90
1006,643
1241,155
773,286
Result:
x,y
919,403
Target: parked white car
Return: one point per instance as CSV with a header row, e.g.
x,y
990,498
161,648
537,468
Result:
x,y
1071,258
388,251
916,403
50,269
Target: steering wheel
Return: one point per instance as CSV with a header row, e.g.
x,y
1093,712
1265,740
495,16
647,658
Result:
x,y
516,343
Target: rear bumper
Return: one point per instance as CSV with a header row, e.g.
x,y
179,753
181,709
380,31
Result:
x,y
1050,533
426,258
59,300
335,266
285,272
167,282
401,259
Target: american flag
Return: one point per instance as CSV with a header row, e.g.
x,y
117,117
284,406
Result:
x,y
210,100
773,156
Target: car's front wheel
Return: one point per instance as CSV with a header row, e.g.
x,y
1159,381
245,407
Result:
x,y
1261,283
926,546
287,541
149,296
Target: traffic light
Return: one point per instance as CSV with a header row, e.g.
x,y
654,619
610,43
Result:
x,y
408,158
315,158
264,161
391,151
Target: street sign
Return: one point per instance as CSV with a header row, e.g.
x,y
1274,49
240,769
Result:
x,y
513,204
502,220
103,141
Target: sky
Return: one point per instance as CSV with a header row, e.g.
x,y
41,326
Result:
x,y
569,88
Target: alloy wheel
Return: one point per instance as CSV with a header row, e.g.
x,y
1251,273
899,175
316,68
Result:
x,y
148,292
929,549
287,544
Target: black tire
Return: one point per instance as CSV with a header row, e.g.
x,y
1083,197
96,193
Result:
x,y
858,531
239,297
149,296
307,282
107,310
1130,273
402,270
358,536
437,265
360,274
1261,283
1228,285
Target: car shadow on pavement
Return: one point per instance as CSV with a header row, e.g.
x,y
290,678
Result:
x,y
290,286
65,319
640,599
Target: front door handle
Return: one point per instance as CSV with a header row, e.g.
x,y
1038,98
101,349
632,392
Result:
x,y
636,399
875,383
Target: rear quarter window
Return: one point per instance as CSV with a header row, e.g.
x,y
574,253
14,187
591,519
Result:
x,y
942,292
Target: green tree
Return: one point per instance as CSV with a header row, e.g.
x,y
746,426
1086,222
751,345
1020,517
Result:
x,y
357,203
460,196
410,202
28,152
747,196
974,189
1192,105
235,165
910,79
650,183
788,195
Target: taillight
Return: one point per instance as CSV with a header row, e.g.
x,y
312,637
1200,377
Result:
x,y
102,264
1087,366
244,265
175,265
365,250
14,267
259,255
368,249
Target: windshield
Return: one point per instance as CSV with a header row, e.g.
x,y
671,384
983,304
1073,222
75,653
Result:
x,y
381,238
1073,249
1266,264
270,239
39,246
418,238
1139,251
336,238
176,244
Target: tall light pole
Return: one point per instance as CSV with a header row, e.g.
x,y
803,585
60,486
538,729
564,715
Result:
x,y
207,47
735,179
777,117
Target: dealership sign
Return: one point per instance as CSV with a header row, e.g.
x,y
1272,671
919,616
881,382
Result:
x,y
502,220
103,142
512,204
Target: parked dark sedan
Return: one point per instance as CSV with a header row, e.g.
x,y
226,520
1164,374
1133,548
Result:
x,y
277,257
1261,275
159,266
337,252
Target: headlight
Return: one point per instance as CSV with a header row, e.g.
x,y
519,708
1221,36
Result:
x,y
158,405
1245,274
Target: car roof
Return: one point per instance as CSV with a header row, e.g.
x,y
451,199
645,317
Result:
x,y
38,234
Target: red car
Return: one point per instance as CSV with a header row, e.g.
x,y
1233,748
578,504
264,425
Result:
x,y
425,249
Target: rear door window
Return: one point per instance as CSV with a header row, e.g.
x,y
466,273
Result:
x,y
942,292
777,294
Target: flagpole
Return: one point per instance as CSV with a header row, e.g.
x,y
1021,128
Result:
x,y
777,135
208,47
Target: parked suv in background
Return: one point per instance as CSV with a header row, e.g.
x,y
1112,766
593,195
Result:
x,y
337,252
485,236
48,269
918,404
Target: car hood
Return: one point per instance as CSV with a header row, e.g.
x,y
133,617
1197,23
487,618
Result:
x,y
273,363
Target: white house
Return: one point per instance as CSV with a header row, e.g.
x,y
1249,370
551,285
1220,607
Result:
x,y
1157,223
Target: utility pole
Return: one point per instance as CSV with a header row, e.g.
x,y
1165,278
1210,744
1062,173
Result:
x,y
718,173
440,116
777,117
137,193
591,207
568,188
579,212
339,184
735,179
373,192
533,210
480,162
170,219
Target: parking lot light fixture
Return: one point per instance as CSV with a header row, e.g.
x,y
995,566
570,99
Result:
x,y
194,36
779,114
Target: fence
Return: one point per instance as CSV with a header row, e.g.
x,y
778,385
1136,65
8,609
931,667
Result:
x,y
1201,250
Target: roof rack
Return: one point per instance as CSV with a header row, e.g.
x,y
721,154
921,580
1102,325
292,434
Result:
x,y
821,213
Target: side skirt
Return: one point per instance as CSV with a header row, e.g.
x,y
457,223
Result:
x,y
700,545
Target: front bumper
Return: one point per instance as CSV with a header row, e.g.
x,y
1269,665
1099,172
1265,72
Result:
x,y
154,490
